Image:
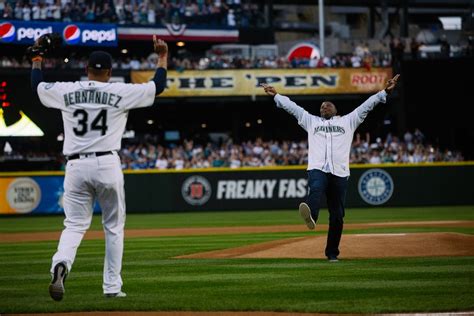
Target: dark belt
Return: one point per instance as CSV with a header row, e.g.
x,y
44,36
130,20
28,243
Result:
x,y
96,154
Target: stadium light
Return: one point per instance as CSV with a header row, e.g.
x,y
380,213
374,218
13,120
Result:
x,y
451,22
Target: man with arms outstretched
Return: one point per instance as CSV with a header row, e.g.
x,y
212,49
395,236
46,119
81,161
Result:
x,y
329,140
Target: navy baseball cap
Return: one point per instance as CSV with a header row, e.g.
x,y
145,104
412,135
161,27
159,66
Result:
x,y
100,60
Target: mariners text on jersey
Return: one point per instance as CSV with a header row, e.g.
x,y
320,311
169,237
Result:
x,y
91,96
329,129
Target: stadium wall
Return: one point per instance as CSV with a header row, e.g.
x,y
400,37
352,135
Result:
x,y
250,188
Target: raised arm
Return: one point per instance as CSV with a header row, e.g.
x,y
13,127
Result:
x,y
303,117
161,48
36,74
357,116
42,46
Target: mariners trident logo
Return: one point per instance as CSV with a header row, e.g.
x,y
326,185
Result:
x,y
375,186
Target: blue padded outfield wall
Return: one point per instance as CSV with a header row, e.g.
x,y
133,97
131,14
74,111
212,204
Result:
x,y
250,188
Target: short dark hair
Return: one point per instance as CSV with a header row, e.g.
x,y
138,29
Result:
x,y
97,72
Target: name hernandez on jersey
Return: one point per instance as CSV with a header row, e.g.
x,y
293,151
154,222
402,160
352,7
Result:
x,y
92,96
94,113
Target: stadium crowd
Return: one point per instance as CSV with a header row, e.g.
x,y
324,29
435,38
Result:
x,y
386,54
230,13
411,148
215,62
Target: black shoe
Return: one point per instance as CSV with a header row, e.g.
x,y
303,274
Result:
x,y
333,259
56,288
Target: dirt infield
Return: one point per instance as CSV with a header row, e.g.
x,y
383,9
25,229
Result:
x,y
355,246
133,233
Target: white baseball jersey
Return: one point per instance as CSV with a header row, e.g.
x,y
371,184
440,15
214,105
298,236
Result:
x,y
94,113
330,140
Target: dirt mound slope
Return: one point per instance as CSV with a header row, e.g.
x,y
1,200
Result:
x,y
355,246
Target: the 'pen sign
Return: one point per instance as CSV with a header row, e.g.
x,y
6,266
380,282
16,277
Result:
x,y
239,82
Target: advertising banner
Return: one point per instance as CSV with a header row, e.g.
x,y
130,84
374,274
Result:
x,y
369,186
239,82
33,195
78,34
253,189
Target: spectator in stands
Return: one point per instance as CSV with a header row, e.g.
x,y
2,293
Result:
x,y
89,15
414,48
397,48
26,12
470,46
445,47
8,11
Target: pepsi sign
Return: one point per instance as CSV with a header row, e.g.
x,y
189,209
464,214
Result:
x,y
75,35
83,34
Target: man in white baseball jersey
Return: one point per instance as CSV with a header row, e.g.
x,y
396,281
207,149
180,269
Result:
x,y
95,114
329,138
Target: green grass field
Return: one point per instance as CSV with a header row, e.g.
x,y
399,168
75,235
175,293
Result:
x,y
155,281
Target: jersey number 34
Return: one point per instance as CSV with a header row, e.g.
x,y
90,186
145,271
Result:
x,y
99,123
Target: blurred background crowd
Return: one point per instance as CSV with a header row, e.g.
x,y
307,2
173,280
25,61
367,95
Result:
x,y
145,12
411,147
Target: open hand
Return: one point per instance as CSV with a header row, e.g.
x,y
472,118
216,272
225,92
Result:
x,y
160,46
269,89
391,83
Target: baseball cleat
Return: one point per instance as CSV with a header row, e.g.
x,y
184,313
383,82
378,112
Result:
x,y
305,213
119,294
333,259
56,288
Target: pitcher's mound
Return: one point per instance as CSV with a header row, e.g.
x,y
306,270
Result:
x,y
355,246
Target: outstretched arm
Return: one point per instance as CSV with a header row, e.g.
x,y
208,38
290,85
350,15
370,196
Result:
x,y
303,117
161,48
357,116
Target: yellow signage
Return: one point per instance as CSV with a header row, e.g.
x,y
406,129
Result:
x,y
246,82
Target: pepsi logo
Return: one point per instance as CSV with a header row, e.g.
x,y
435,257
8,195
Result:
x,y
7,32
72,34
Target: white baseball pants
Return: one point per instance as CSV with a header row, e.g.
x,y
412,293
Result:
x,y
88,179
